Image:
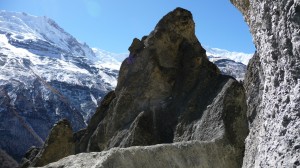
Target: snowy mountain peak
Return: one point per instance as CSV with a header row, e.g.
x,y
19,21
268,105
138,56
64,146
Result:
x,y
46,75
109,59
222,53
22,29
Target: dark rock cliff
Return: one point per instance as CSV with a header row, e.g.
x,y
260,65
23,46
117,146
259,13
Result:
x,y
273,83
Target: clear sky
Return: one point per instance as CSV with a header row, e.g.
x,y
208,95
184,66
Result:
x,y
112,24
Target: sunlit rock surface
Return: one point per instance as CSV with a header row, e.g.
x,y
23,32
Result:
x,y
273,83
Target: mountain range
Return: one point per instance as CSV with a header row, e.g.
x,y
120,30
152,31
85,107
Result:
x,y
47,74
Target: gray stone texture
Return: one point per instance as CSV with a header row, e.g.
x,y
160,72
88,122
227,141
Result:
x,y
273,83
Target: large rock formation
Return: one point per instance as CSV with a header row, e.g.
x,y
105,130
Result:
x,y
167,92
191,154
273,83
223,151
58,145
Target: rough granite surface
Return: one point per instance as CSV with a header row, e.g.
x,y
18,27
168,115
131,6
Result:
x,y
273,83
192,154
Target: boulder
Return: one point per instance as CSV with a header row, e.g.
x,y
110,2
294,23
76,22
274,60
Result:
x,y
59,144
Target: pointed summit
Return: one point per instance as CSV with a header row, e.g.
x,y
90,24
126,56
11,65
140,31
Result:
x,y
168,91
179,21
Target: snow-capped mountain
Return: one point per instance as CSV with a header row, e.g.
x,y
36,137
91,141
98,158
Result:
x,y
110,59
230,63
231,55
229,67
46,75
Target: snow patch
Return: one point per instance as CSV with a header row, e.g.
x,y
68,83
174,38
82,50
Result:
x,y
236,56
94,99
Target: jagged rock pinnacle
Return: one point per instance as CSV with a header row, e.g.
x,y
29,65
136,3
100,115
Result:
x,y
179,21
167,92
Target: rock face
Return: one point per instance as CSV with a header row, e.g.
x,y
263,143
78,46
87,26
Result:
x,y
273,83
191,154
167,92
82,137
59,144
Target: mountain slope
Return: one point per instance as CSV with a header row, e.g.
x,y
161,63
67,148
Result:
x,y
232,55
230,63
229,67
46,75
6,161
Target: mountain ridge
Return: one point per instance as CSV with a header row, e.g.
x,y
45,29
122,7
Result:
x,y
46,76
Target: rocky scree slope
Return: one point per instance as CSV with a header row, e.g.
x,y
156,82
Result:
x,y
46,75
273,83
167,92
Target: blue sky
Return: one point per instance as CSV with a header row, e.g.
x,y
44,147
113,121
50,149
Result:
x,y
112,24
